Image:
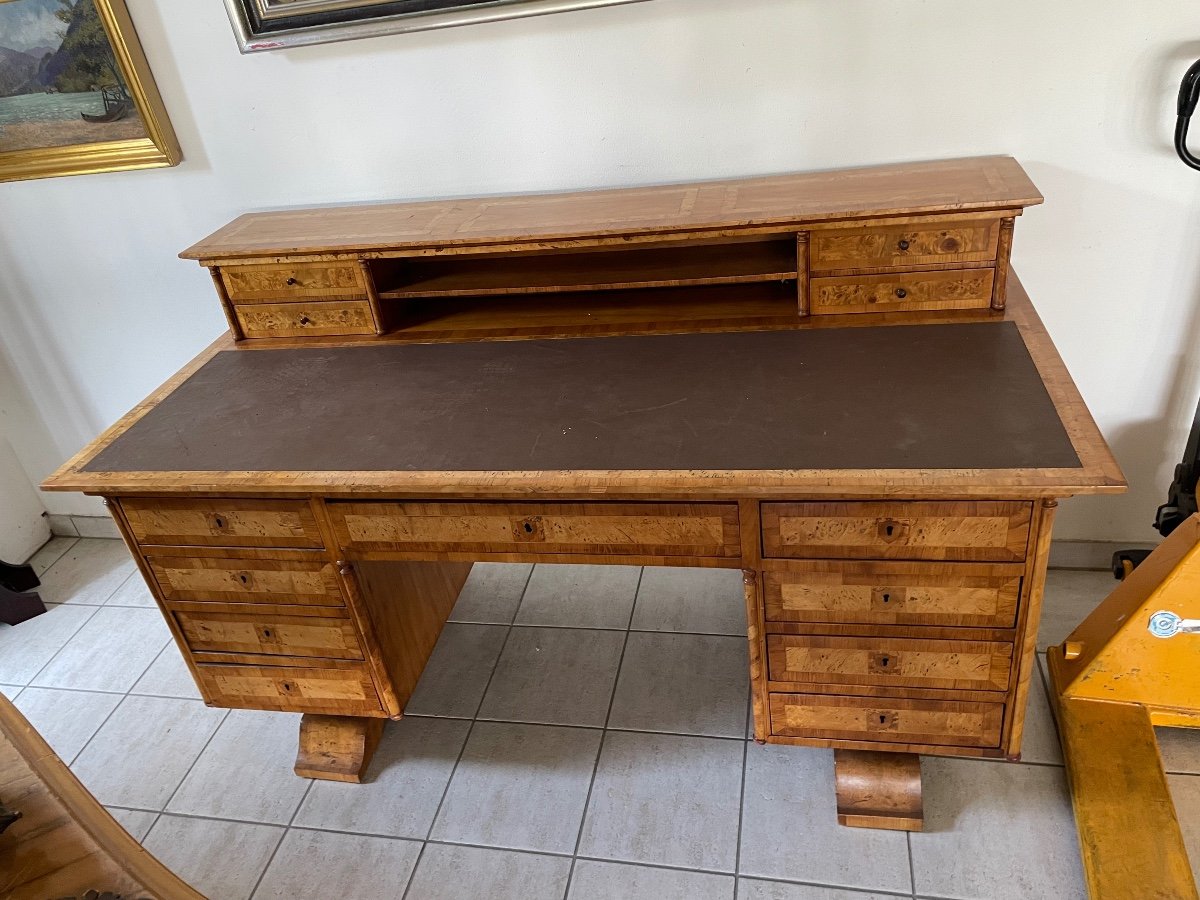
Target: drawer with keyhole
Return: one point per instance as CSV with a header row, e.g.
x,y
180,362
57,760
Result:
x,y
976,595
234,522
307,580
875,719
334,687
269,633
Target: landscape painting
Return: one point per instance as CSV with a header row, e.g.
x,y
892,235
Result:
x,y
60,83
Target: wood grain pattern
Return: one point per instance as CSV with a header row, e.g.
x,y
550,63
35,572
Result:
x,y
231,579
979,183
984,531
1003,254
305,318
336,748
339,689
954,289
65,842
956,665
938,241
925,722
878,790
652,529
270,633
295,281
222,522
895,594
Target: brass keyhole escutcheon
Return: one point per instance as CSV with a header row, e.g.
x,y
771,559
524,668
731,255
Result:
x,y
286,686
903,245
266,633
887,598
244,578
883,661
882,719
890,530
219,521
901,293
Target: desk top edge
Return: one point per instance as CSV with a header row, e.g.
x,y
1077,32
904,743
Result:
x,y
980,183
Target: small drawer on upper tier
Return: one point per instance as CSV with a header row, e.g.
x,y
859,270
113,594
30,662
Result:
x,y
293,582
890,662
935,242
336,688
932,722
269,633
294,282
651,529
305,319
954,289
984,531
223,523
976,595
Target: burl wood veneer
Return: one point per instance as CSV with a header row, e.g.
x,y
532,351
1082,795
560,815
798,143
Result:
x,y
830,381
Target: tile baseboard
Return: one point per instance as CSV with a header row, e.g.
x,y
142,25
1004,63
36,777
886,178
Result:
x,y
1090,554
82,526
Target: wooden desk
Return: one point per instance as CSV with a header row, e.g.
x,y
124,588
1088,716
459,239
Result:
x,y
305,506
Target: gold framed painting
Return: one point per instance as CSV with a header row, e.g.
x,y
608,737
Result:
x,y
76,93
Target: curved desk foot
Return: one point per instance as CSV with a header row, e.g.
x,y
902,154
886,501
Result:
x,y
336,748
878,790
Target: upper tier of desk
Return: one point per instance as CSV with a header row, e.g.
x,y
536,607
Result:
x,y
782,201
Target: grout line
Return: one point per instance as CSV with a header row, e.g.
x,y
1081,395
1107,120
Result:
x,y
71,542
852,891
463,749
196,760
737,856
912,868
612,698
71,637
282,836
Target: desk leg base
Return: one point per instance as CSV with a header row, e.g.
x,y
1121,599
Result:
x,y
879,790
336,748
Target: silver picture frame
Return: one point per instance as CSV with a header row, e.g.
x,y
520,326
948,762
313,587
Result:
x,y
261,25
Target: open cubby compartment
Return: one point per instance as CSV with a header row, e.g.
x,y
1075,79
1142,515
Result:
x,y
659,286
604,268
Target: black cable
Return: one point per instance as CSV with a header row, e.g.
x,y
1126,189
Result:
x,y
1189,93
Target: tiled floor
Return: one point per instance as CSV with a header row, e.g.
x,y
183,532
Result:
x,y
549,751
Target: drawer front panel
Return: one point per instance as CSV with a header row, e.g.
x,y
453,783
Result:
x,y
271,634
901,662
223,523
936,722
984,531
649,529
227,580
896,246
930,594
333,691
294,282
957,289
305,319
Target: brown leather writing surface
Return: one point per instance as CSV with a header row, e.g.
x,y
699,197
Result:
x,y
899,397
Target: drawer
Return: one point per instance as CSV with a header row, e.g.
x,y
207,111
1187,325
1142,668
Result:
x,y
897,246
309,636
310,582
305,319
898,662
957,289
343,281
223,523
651,529
968,594
345,690
936,722
983,531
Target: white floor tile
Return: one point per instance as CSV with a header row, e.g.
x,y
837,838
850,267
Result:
x,y
50,553
133,592
403,785
66,719
142,753
996,831
351,866
168,676
87,573
704,601
579,596
26,648
605,880
492,593
136,821
245,772
456,873
109,653
222,860
755,889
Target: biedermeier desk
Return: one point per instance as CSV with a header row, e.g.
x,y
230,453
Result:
x,y
831,382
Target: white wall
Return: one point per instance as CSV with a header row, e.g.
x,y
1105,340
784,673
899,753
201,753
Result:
x,y
96,310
